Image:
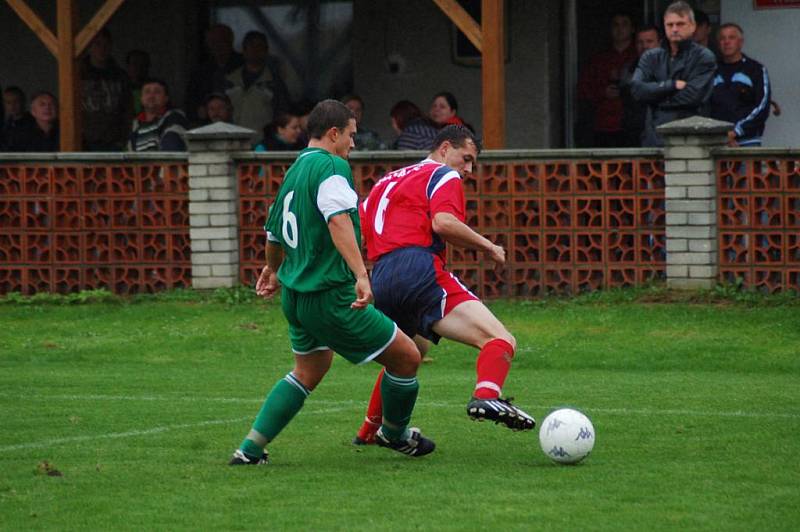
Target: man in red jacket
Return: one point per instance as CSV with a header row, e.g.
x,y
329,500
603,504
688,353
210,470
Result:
x,y
598,86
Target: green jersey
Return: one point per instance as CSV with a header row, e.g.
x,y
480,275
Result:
x,y
317,186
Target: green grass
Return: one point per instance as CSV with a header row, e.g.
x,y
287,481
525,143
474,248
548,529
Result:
x,y
139,405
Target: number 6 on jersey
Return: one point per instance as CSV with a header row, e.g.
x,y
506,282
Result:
x,y
289,228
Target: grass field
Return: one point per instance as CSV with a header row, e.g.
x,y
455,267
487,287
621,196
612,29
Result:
x,y
138,407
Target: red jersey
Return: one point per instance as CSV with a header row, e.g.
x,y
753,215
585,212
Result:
x,y
399,210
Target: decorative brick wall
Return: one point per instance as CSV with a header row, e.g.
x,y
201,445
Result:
x,y
570,221
759,218
69,223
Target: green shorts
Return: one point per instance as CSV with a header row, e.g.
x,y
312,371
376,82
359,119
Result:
x,y
324,320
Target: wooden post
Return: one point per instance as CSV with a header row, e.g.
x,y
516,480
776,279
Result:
x,y
68,78
493,74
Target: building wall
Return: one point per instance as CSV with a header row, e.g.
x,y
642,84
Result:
x,y
771,38
416,35
168,35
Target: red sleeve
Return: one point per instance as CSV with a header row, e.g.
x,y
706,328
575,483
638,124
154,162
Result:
x,y
449,198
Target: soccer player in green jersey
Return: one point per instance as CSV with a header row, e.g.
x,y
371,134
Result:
x,y
313,252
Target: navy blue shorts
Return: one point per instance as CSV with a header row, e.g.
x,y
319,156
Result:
x,y
411,286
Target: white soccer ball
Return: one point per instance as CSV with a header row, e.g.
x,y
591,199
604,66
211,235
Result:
x,y
566,436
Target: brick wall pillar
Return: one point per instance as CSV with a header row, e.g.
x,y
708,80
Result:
x,y
691,200
214,204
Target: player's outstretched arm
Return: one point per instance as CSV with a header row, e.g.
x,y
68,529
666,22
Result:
x,y
456,232
268,284
344,238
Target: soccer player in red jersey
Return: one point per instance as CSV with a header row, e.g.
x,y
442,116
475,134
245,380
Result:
x,y
406,221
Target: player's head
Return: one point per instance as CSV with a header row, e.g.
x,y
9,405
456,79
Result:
x,y
457,147
334,125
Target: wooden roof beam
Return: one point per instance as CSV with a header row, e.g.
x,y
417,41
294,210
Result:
x,y
463,21
35,24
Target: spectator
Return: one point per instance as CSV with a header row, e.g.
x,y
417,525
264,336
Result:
x,y
599,88
703,33
105,97
218,108
14,113
675,81
157,127
41,133
137,66
633,112
415,132
257,93
741,90
283,134
210,76
366,139
302,110
444,110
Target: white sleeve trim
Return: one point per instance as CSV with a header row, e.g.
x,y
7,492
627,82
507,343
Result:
x,y
447,177
335,196
271,238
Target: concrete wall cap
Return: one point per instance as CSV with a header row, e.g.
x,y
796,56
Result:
x,y
219,131
695,125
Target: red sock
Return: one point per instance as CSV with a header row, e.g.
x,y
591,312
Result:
x,y
493,364
374,417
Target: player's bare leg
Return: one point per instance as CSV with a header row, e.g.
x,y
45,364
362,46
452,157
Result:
x,y
472,323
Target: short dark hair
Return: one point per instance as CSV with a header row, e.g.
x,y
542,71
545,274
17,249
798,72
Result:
x,y
13,89
254,35
451,100
732,25
680,8
701,17
649,27
404,112
282,119
327,114
457,136
352,98
39,94
157,81
218,96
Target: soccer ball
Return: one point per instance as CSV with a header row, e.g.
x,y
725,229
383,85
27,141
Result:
x,y
566,436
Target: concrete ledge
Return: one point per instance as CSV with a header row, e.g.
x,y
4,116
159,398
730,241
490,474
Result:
x,y
205,283
691,284
485,156
90,157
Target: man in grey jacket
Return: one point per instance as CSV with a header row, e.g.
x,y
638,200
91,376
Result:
x,y
675,80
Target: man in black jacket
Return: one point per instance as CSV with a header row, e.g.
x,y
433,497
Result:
x,y
741,90
676,80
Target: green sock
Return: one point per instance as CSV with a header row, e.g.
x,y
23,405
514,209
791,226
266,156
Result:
x,y
399,396
282,404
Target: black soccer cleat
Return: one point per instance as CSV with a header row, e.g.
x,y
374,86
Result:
x,y
415,445
239,458
500,411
